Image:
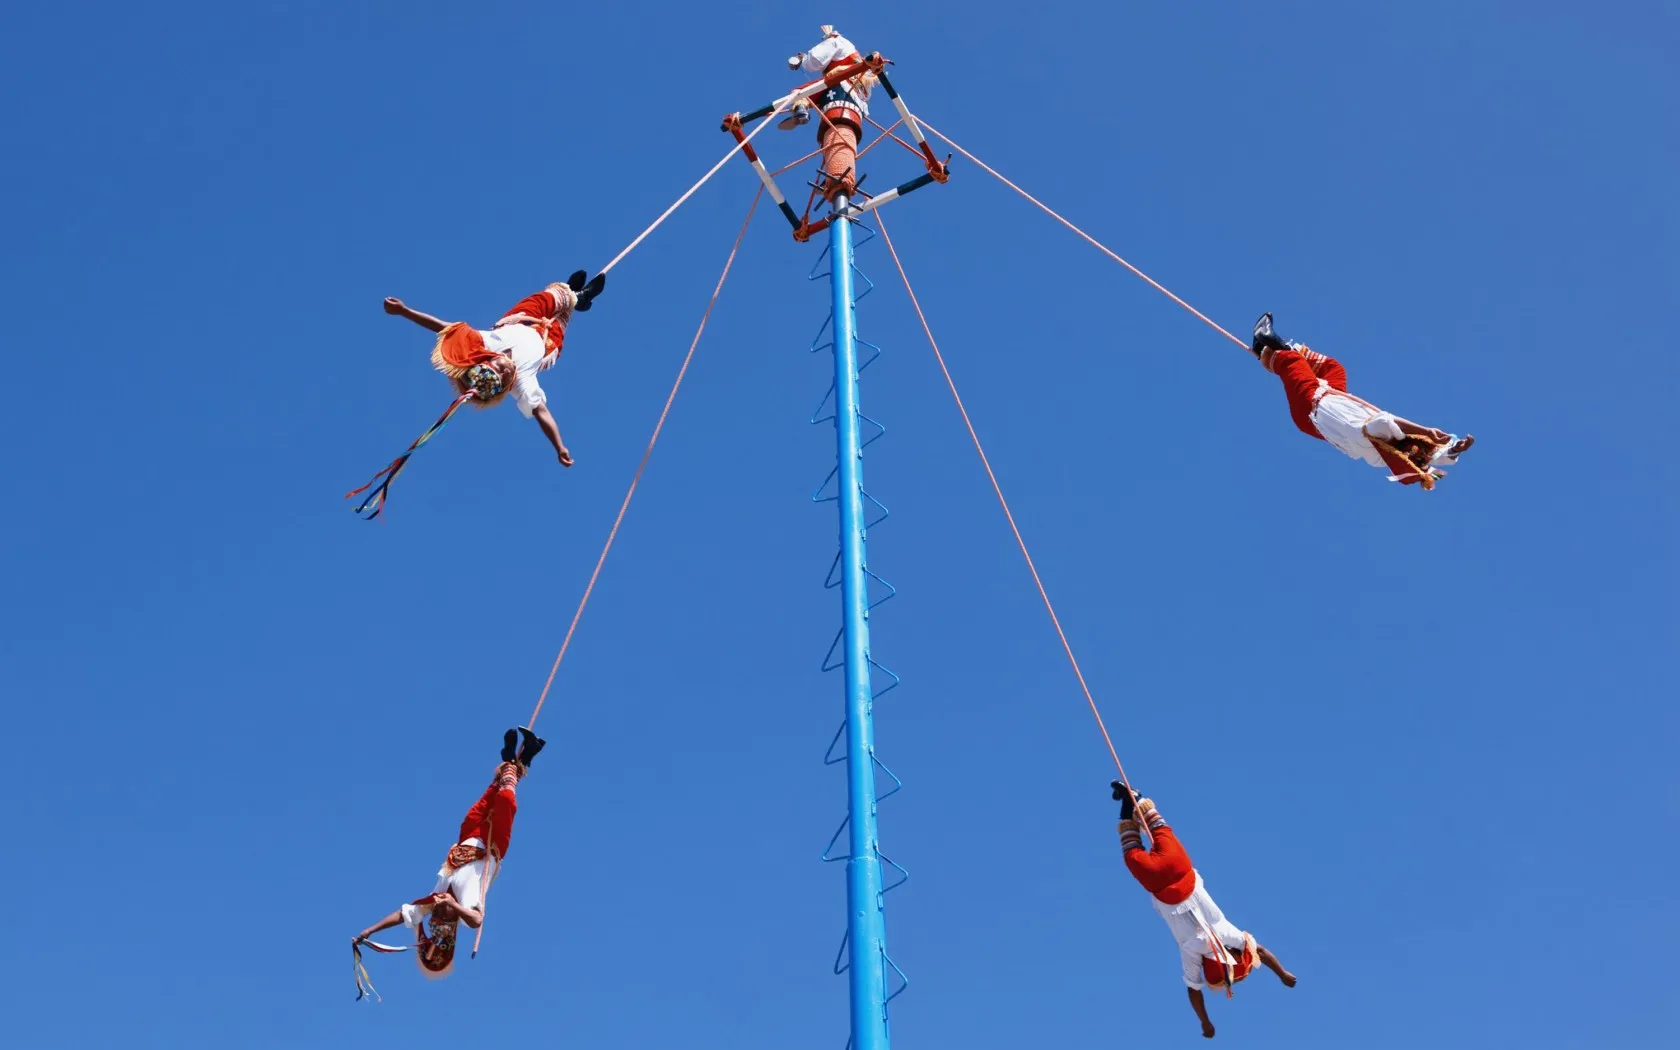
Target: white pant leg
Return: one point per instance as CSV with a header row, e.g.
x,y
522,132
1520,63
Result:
x,y
1341,421
1226,931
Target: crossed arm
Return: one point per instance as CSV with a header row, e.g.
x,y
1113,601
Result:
x,y
473,917
1417,430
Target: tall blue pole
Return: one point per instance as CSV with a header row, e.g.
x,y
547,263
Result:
x,y
865,921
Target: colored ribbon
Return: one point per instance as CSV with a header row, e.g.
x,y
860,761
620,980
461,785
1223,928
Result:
x,y
376,499
364,983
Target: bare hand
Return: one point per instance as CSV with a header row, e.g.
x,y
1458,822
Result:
x,y
1207,1029
565,457
393,305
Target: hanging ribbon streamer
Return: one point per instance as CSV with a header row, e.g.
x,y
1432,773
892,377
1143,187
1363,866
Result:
x,y
371,507
364,983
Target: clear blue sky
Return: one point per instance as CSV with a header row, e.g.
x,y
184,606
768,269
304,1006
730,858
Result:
x,y
1420,744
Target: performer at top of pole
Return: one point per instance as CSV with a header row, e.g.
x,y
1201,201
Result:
x,y
845,105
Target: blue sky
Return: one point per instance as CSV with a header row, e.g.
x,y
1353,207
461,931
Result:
x,y
1419,744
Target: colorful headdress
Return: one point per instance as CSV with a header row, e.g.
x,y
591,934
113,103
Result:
x,y
488,380
460,352
436,952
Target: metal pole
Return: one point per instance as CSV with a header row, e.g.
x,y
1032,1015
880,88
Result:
x,y
865,921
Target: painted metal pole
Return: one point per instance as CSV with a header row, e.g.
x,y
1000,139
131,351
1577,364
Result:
x,y
865,920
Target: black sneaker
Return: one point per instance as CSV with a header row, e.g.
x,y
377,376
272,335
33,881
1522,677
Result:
x,y
510,745
586,298
1264,337
533,744
1125,797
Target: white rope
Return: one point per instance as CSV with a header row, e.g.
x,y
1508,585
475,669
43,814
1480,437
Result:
x,y
692,189
1059,217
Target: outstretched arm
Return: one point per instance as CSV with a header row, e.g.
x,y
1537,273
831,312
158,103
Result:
x,y
1200,1006
393,919
551,430
396,306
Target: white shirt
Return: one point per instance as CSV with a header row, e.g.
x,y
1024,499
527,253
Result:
x,y
524,345
818,59
466,883
1342,421
1192,935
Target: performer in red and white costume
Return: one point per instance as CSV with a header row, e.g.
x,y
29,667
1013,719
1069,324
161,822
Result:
x,y
469,867
845,105
1215,953
507,358
1316,386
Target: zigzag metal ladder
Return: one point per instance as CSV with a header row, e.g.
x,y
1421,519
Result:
x,y
869,971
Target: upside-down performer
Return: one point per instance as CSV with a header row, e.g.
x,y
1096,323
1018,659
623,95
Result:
x,y
843,107
468,869
1215,953
1316,386
485,366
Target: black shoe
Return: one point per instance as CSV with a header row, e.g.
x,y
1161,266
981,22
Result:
x,y
533,744
576,280
510,745
1124,796
1264,337
586,298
